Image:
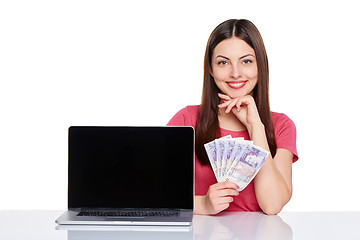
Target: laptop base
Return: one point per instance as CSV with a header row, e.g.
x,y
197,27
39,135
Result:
x,y
71,218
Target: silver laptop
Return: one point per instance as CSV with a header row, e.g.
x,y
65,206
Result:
x,y
130,176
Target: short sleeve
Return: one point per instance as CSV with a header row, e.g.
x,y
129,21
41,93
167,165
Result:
x,y
285,134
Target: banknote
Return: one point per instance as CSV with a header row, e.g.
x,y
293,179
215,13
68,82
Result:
x,y
228,148
235,159
210,149
238,148
220,146
246,165
214,152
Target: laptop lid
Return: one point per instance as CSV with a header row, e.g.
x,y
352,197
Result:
x,y
131,167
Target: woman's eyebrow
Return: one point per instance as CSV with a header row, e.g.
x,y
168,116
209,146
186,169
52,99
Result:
x,y
222,57
246,56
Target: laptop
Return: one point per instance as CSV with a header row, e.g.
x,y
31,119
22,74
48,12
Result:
x,y
130,176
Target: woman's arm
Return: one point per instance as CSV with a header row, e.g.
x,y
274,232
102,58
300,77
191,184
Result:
x,y
273,183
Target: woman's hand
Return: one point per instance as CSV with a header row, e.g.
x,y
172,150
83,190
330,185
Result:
x,y
219,197
244,108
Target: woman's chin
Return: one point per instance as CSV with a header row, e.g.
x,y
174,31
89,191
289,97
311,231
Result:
x,y
238,94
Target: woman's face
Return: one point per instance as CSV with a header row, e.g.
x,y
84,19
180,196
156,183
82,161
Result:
x,y
234,67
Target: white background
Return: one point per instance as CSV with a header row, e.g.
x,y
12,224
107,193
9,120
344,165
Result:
x,y
77,62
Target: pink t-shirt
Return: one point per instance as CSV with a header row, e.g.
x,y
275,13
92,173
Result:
x,y
285,137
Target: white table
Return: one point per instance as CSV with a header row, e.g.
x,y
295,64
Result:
x,y
231,225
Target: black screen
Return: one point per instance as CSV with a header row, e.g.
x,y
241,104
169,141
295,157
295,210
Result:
x,y
131,167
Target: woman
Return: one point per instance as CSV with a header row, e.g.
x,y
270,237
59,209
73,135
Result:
x,y
235,100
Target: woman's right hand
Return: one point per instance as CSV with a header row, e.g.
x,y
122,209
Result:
x,y
219,197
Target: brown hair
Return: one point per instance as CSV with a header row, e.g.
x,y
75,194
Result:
x,y
207,125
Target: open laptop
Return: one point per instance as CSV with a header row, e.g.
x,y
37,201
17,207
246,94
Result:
x,y
130,176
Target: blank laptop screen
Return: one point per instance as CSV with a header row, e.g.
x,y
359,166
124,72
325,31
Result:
x,y
131,167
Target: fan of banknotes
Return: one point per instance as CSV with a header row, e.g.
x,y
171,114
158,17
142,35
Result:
x,y
235,160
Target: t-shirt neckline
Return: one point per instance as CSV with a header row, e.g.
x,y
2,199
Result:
x,y
227,130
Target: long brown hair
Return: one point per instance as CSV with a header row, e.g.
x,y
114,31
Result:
x,y
207,125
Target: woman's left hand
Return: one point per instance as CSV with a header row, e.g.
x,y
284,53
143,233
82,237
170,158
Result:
x,y
244,108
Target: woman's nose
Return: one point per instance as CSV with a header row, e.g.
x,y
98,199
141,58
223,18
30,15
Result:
x,y
235,72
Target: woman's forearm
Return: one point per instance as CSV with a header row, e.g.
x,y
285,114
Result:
x,y
273,187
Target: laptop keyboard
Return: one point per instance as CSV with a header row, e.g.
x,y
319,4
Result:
x,y
134,213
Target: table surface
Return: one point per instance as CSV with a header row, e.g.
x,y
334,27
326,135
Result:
x,y
18,224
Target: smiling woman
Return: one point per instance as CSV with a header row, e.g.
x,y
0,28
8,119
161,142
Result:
x,y
235,101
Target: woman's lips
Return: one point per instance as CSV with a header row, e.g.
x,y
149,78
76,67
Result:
x,y
236,84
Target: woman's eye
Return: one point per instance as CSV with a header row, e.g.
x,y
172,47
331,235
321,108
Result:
x,y
222,62
247,61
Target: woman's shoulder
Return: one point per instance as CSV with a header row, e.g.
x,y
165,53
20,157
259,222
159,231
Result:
x,y
281,119
186,116
193,109
190,110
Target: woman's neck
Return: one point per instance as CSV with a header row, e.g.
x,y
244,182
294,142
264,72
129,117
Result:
x,y
229,121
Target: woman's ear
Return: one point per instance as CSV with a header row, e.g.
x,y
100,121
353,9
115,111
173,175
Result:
x,y
210,71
